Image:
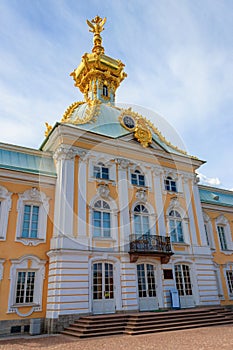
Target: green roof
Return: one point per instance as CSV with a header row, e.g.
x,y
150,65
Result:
x,y
216,196
106,122
27,162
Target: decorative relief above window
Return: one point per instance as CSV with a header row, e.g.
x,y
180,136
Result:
x,y
33,208
5,207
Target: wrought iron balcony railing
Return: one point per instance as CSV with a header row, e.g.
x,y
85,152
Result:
x,y
150,245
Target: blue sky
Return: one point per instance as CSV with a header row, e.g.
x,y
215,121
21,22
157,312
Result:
x,y
178,56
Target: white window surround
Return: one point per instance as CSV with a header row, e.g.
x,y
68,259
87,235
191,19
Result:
x,y
151,214
209,228
5,207
27,263
1,268
113,218
33,197
222,221
108,163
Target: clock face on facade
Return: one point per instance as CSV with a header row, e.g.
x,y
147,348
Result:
x,y
128,122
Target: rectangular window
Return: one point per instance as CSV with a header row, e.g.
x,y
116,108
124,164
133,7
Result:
x,y
222,237
25,287
230,281
30,221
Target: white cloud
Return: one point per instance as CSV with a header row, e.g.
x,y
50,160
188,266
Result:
x,y
209,181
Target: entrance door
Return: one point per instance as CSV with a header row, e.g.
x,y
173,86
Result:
x,y
184,285
147,287
103,293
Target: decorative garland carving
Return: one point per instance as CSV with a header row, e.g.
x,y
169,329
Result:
x,y
70,110
92,110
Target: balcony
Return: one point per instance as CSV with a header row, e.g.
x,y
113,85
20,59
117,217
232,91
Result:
x,y
150,245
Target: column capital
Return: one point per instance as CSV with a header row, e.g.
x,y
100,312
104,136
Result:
x,y
123,163
64,153
157,171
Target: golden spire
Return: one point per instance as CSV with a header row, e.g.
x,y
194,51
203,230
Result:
x,y
96,26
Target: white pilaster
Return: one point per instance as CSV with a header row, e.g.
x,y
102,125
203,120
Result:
x,y
64,197
123,202
190,210
82,196
157,172
200,219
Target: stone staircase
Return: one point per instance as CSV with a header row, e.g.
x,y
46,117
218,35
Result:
x,y
148,322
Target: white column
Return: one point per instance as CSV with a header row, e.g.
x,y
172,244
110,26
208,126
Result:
x,y
200,219
123,202
82,195
190,210
64,197
157,172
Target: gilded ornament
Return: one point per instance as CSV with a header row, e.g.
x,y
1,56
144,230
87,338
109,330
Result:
x,y
69,111
48,129
96,27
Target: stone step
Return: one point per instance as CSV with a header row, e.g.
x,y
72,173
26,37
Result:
x,y
93,334
95,329
148,322
160,320
174,323
179,327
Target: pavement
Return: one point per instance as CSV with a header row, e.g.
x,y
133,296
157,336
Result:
x,y
211,338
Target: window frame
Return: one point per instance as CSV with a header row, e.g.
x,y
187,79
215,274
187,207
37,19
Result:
x,y
137,174
25,288
33,197
5,208
102,211
98,169
142,215
229,282
27,263
222,237
177,220
170,184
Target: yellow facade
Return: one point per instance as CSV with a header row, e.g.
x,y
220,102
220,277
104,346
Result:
x,y
107,216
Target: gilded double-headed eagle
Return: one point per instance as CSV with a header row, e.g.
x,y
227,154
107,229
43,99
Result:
x,y
96,24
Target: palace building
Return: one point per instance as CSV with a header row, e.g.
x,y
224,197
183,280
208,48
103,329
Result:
x,y
107,216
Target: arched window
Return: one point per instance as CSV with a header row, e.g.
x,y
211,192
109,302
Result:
x,y
101,219
137,178
170,184
175,223
105,90
101,171
141,220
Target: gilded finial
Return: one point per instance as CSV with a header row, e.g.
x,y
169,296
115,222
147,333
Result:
x,y
48,129
97,26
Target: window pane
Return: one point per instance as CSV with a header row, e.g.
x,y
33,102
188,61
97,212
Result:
x,y
105,174
141,180
134,179
97,215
